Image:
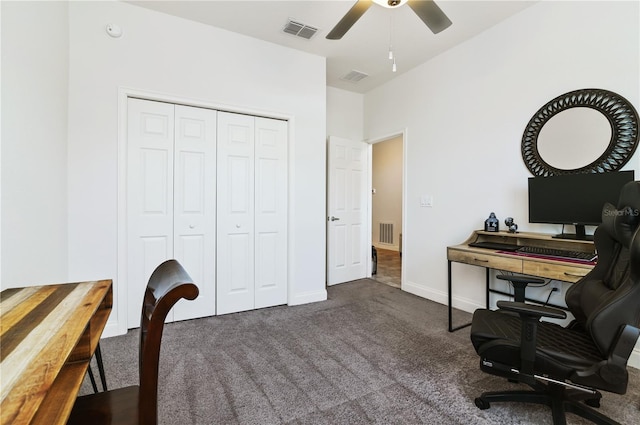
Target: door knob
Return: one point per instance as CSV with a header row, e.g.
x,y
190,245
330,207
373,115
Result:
x,y
191,226
334,218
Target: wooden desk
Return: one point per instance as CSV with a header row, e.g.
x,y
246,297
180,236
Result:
x,y
48,335
492,259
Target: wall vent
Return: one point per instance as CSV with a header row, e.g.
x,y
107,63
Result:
x,y
386,233
299,29
354,76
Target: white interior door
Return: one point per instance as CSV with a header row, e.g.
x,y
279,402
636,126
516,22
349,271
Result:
x,y
270,212
235,233
150,134
346,211
195,206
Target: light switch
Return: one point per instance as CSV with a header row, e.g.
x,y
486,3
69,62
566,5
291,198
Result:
x,y
426,201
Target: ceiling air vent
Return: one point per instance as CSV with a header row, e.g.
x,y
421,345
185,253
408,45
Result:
x,y
354,76
299,29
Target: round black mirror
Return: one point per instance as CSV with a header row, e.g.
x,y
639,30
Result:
x,y
583,131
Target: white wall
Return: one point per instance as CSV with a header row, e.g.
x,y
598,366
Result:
x,y
345,114
198,62
60,62
34,143
465,112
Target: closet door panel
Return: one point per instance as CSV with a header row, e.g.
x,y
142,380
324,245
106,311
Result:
x,y
270,212
195,206
235,231
240,279
149,196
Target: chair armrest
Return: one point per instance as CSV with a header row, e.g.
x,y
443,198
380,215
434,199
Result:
x,y
520,279
625,342
529,316
519,284
531,310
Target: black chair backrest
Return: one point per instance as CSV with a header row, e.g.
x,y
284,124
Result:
x,y
608,297
167,285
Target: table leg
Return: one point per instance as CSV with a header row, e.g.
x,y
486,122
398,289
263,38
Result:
x,y
92,379
98,354
488,279
449,295
450,302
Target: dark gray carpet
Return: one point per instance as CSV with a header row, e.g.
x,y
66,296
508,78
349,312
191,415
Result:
x,y
370,354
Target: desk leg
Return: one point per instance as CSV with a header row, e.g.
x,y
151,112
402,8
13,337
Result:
x,y
488,280
450,301
449,296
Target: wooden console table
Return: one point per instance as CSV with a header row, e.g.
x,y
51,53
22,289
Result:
x,y
48,335
566,271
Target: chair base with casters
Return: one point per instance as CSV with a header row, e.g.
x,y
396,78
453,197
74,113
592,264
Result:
x,y
561,397
556,396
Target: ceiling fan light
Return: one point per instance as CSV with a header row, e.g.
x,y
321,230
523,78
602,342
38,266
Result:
x,y
390,4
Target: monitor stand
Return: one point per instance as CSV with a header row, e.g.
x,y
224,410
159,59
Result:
x,y
580,235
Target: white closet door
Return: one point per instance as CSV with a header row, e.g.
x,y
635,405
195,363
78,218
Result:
x,y
235,231
150,136
195,206
270,212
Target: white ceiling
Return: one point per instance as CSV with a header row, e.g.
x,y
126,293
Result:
x,y
365,46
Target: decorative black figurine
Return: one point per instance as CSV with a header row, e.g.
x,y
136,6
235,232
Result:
x,y
491,224
511,225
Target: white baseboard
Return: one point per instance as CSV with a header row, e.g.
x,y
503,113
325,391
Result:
x,y
441,297
112,329
469,305
308,297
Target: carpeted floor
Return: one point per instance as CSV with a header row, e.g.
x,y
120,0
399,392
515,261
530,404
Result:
x,y
370,354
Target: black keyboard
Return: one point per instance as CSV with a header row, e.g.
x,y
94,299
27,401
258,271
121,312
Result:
x,y
558,253
494,245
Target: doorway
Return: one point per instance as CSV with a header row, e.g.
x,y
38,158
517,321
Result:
x,y
387,209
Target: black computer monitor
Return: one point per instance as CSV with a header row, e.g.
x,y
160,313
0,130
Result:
x,y
574,199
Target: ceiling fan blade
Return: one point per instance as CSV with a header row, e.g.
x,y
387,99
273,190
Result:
x,y
347,21
430,14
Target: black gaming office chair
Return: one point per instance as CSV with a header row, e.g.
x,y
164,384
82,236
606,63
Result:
x,y
567,366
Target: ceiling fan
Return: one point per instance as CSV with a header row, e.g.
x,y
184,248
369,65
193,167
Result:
x,y
426,10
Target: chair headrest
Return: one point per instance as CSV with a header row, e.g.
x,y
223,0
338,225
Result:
x,y
622,221
630,196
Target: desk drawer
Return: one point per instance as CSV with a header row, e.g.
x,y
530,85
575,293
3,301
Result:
x,y
555,271
483,260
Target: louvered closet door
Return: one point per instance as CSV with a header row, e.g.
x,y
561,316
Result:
x,y
171,172
150,138
252,213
